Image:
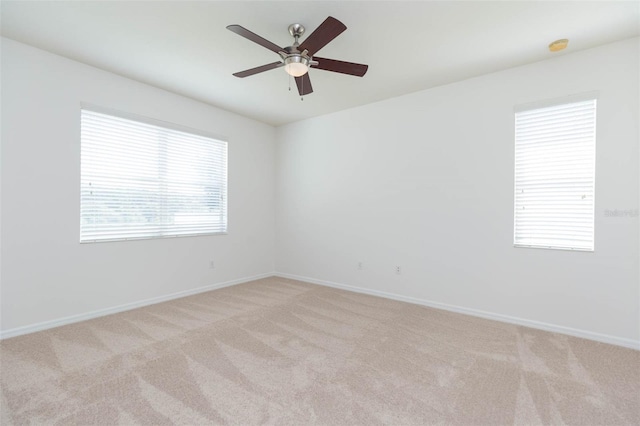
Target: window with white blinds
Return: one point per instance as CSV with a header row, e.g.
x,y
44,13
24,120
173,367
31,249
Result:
x,y
555,176
142,180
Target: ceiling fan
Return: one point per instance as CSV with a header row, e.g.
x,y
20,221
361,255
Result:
x,y
298,58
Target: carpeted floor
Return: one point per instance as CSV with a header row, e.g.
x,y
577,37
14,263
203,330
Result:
x,y
278,351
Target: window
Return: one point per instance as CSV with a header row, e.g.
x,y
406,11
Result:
x,y
555,176
142,180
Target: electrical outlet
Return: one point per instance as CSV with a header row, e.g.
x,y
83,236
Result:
x,y
398,270
212,264
360,267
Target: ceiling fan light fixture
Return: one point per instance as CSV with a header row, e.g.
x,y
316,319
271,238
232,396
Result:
x,y
298,58
296,65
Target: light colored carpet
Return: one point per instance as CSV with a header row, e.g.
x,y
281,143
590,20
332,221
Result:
x,y
278,351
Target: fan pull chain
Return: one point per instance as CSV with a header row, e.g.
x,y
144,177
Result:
x,y
289,81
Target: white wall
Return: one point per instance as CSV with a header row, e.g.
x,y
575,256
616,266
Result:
x,y
425,181
46,274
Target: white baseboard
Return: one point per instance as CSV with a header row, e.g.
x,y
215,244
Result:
x,y
18,331
604,338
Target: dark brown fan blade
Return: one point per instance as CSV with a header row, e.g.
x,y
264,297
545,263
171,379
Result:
x,y
256,70
304,84
254,37
327,31
340,66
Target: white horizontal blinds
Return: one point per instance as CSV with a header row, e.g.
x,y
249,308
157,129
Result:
x,y
555,175
139,180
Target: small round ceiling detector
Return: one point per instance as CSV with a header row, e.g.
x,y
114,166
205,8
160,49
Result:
x,y
558,45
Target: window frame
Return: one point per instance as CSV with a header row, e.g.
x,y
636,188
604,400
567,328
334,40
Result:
x,y
567,100
171,127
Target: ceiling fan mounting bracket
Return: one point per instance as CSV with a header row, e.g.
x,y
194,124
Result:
x,y
296,30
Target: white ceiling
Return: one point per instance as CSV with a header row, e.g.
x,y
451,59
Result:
x,y
409,46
